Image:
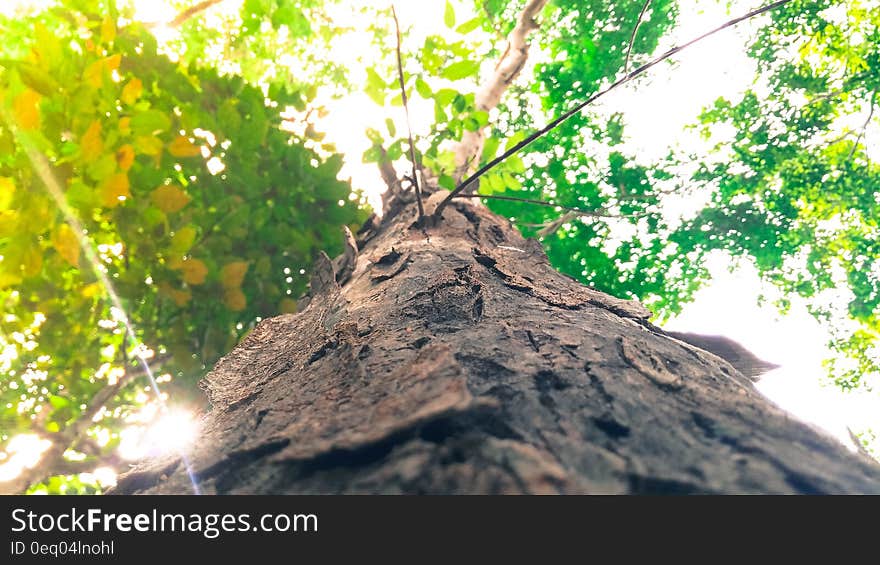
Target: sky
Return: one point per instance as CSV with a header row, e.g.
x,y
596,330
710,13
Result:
x,y
656,110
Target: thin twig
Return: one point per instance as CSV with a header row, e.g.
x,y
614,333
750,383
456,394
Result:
x,y
185,15
632,38
412,147
626,78
864,128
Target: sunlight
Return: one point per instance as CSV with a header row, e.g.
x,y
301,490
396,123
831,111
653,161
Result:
x,y
658,110
22,452
171,432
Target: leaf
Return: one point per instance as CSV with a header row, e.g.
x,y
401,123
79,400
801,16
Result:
x,y
92,145
150,122
183,147
7,191
47,47
92,290
94,73
235,299
446,182
148,145
180,297
131,91
469,25
32,260
169,198
194,271
449,15
183,239
26,109
375,88
108,30
460,70
65,242
115,189
8,279
423,88
232,274
38,79
125,157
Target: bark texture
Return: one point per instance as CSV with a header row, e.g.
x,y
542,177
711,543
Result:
x,y
454,359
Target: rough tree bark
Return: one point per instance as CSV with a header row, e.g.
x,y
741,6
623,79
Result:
x,y
456,360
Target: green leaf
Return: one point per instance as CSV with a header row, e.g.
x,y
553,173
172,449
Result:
x,y
460,70
469,25
376,87
449,15
446,182
423,89
150,122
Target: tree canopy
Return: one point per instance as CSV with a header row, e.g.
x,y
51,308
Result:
x,y
195,170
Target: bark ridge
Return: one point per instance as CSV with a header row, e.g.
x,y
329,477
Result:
x,y
454,359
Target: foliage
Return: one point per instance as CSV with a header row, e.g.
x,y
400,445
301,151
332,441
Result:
x,y
793,188
206,206
204,209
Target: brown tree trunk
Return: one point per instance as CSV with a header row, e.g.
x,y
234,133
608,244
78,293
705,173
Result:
x,y
456,360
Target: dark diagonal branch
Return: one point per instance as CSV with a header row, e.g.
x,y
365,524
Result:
x,y
626,78
575,211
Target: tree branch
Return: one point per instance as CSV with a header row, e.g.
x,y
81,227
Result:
x,y
632,38
576,211
626,78
53,458
468,150
864,128
412,147
185,15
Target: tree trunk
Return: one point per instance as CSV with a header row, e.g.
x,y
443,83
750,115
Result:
x,y
456,360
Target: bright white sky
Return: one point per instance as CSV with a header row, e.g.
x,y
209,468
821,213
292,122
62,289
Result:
x,y
656,110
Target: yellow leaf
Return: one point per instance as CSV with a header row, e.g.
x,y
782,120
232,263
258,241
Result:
x,y
32,260
232,274
7,190
114,190
169,198
183,239
94,73
65,242
235,299
148,144
182,147
8,222
91,290
27,110
131,91
92,145
194,271
287,306
125,157
180,297
9,279
113,62
108,30
124,125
